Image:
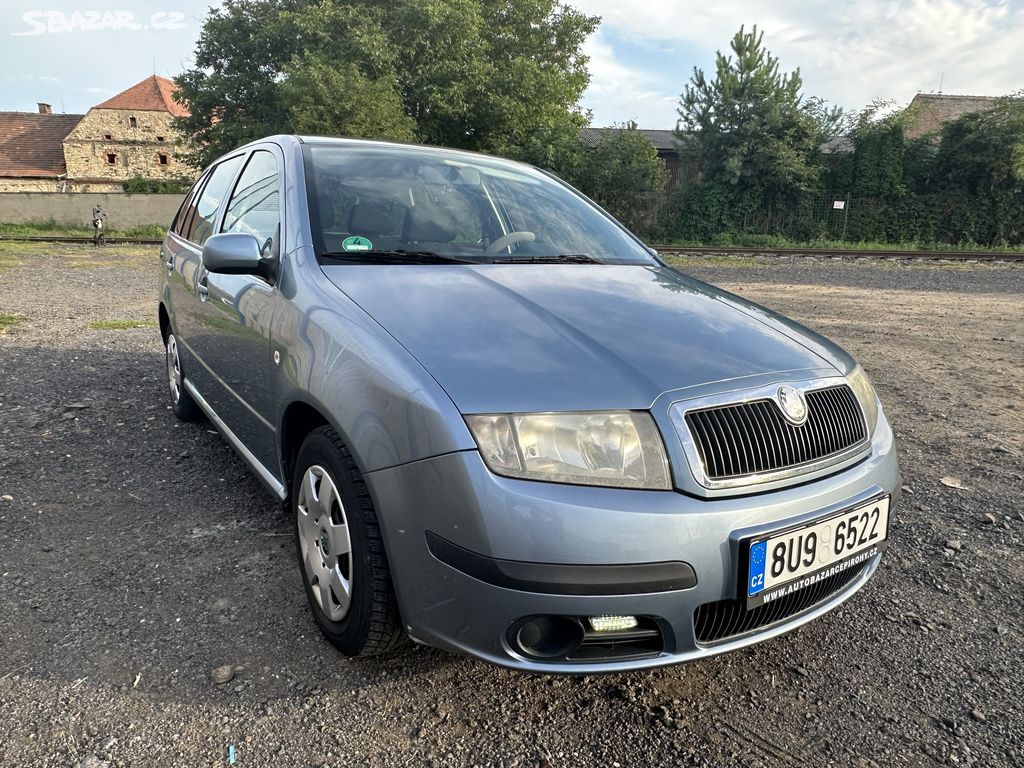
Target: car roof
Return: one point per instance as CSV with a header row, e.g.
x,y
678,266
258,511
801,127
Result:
x,y
292,139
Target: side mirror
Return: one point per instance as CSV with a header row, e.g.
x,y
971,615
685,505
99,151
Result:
x,y
233,253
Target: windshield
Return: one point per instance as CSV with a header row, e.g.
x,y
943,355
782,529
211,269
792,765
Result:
x,y
370,200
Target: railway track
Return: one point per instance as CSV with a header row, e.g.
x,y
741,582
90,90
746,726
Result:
x,y
680,250
85,240
706,250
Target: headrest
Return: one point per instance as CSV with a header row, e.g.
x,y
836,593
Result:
x,y
429,224
370,219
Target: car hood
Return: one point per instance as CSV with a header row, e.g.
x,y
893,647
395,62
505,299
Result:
x,y
552,337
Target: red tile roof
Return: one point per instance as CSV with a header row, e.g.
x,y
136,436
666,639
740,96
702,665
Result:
x,y
151,95
30,143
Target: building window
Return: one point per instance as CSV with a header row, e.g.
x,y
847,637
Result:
x,y
111,158
163,159
132,122
108,136
159,138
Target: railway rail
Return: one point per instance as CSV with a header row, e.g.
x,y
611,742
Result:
x,y
706,250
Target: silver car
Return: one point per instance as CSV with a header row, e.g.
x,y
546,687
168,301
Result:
x,y
502,425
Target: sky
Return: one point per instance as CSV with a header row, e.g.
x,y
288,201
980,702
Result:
x,y
74,55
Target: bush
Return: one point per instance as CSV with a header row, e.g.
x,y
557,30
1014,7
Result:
x,y
140,186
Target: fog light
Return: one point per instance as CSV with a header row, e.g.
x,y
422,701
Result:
x,y
612,623
548,637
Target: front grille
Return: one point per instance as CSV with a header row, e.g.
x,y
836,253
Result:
x,y
752,438
727,618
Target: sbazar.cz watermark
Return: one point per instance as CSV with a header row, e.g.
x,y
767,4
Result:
x,y
57,22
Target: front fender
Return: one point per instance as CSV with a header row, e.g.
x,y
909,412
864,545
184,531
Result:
x,y
333,356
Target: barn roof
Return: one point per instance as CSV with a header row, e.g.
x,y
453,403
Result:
x,y
31,143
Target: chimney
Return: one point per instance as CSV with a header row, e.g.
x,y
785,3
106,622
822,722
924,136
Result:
x,y
44,108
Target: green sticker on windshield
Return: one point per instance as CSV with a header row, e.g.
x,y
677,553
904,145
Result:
x,y
356,244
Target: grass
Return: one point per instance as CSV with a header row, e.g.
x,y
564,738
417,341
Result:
x,y
120,325
7,260
78,255
9,321
53,229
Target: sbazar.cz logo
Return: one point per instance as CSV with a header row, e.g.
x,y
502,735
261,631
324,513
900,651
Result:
x,y
56,22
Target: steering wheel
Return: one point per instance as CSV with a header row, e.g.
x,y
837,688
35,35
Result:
x,y
510,239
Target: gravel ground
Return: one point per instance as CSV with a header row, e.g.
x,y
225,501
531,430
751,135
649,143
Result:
x,y
137,556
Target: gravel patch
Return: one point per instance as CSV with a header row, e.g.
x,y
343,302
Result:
x,y
152,612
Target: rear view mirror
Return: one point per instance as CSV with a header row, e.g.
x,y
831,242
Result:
x,y
233,253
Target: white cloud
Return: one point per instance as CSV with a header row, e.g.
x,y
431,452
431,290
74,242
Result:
x,y
849,53
619,93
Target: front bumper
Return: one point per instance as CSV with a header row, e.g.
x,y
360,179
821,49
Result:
x,y
455,498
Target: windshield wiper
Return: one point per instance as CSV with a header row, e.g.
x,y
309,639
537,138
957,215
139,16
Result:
x,y
564,258
394,257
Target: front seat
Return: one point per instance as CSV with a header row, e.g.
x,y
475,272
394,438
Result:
x,y
429,224
373,220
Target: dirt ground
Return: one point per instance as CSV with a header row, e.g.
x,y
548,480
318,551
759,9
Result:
x,y
137,555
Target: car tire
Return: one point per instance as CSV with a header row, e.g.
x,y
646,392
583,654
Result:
x,y
340,550
184,407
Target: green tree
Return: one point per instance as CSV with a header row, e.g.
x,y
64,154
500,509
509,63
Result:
x,y
979,165
490,75
624,174
881,177
234,90
343,80
755,137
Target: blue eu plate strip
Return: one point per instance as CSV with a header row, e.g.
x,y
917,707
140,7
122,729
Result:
x,y
758,555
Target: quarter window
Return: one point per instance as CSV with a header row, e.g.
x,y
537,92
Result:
x,y
185,211
201,222
255,206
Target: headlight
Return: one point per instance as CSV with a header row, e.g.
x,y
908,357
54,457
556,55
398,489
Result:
x,y
621,449
861,386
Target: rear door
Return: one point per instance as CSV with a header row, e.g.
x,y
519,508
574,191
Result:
x,y
231,335
181,278
188,294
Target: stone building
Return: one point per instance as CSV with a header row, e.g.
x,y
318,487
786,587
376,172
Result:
x,y
129,135
928,112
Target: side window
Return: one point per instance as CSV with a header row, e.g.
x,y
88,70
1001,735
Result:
x,y
201,223
255,206
186,207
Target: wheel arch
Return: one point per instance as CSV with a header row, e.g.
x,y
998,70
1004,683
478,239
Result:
x,y
165,321
298,419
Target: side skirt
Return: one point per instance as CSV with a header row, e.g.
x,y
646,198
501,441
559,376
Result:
x,y
264,474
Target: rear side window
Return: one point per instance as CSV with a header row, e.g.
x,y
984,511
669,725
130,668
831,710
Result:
x,y
255,206
184,212
200,223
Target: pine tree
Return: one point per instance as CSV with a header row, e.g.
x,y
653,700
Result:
x,y
754,136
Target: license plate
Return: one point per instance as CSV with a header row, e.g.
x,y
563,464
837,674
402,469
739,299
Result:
x,y
784,562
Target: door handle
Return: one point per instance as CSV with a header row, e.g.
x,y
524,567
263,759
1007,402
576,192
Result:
x,y
169,262
202,288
